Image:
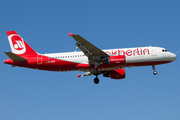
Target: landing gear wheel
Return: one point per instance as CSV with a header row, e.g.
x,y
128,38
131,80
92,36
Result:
x,y
155,72
95,72
96,80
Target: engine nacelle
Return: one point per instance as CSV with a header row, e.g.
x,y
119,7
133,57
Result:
x,y
114,60
116,74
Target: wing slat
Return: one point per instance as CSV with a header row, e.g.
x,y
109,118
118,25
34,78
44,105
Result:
x,y
81,42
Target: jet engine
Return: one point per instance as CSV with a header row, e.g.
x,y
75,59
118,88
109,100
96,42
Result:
x,y
114,60
116,74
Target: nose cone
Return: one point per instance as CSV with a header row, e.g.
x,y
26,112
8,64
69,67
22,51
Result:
x,y
173,57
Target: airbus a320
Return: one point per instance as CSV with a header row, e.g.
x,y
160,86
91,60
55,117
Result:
x,y
92,60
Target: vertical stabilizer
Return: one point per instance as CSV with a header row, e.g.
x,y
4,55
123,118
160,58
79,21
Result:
x,y
18,45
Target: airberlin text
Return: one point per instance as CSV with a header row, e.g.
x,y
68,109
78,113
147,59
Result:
x,y
132,52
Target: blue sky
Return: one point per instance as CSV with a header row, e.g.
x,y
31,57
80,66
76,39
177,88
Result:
x,y
27,94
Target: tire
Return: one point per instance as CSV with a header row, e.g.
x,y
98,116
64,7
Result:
x,y
96,80
155,72
95,72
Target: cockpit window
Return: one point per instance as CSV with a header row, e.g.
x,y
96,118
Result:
x,y
164,50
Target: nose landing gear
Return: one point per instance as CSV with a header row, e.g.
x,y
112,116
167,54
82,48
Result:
x,y
154,71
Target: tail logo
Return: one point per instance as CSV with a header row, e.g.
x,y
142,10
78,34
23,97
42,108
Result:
x,y
17,44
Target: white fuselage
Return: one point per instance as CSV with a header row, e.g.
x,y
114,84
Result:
x,y
133,55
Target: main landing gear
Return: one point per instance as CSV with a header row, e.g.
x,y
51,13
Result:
x,y
154,71
96,79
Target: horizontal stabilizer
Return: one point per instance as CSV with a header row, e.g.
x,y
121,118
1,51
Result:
x,y
14,57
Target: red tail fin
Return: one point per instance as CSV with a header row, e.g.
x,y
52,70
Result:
x,y
18,45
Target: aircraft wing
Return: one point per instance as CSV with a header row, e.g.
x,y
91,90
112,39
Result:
x,y
93,53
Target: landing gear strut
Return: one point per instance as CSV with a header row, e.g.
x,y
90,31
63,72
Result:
x,y
96,79
95,72
154,71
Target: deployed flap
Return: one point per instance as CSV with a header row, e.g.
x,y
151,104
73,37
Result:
x,y
90,73
14,57
92,52
85,74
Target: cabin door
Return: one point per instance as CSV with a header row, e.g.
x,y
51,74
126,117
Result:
x,y
153,51
39,59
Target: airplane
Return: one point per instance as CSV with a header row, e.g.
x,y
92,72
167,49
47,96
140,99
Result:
x,y
91,59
